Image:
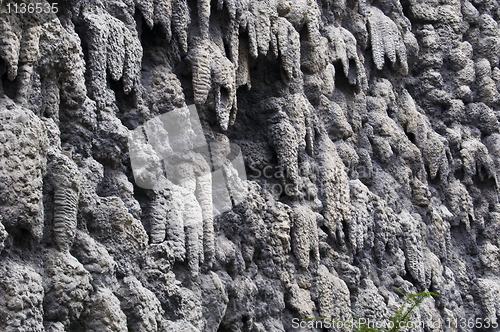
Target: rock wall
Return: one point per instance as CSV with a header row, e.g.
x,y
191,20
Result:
x,y
369,134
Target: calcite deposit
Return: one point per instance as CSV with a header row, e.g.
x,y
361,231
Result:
x,y
244,165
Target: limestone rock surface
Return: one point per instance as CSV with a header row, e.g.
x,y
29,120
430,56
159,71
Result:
x,y
243,165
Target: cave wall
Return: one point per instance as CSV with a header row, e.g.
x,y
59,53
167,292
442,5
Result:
x,y
358,140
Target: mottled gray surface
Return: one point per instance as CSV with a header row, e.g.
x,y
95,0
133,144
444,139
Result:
x,y
370,135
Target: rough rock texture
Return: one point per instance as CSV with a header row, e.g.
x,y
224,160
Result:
x,y
369,133
22,297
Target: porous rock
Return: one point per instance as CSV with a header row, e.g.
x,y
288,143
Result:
x,y
331,150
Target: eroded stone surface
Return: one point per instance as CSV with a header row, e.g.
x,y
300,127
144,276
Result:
x,y
368,131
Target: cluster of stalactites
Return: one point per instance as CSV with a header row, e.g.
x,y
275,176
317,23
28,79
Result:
x,y
220,63
219,57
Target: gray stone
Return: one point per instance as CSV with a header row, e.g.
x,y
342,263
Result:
x,y
332,150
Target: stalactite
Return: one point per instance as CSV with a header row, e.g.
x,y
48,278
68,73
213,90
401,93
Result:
x,y
115,51
233,40
213,72
147,7
202,78
460,202
114,46
433,147
234,7
412,247
204,9
304,235
163,16
180,22
133,58
193,224
486,88
284,139
360,232
19,49
10,43
299,112
28,55
146,165
65,180
158,221
176,237
97,53
174,17
359,77
386,40
65,210
305,14
289,48
181,211
333,186
64,93
204,197
243,71
262,12
343,48
476,160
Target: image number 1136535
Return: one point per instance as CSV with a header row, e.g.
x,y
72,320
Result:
x,y
29,13
31,8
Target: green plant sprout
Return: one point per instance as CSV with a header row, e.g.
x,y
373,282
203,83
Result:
x,y
405,312
400,319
